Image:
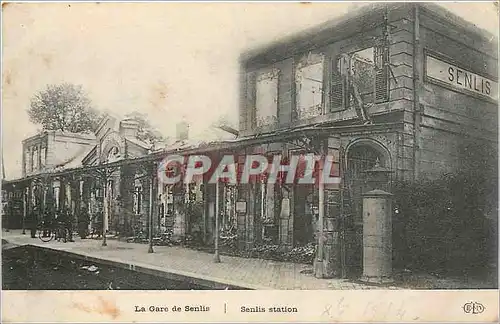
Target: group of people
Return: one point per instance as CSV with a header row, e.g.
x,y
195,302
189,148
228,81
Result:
x,y
59,222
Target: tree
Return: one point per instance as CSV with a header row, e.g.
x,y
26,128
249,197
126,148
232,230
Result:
x,y
63,107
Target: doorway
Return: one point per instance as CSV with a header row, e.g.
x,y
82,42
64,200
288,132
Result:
x,y
360,158
304,216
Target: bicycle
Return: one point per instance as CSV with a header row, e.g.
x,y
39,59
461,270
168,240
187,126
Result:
x,y
95,233
48,232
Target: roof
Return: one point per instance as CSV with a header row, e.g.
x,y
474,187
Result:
x,y
366,17
138,142
195,147
84,136
75,160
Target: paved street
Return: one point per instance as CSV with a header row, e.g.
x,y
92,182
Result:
x,y
242,272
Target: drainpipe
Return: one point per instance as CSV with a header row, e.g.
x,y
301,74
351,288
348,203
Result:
x,y
417,84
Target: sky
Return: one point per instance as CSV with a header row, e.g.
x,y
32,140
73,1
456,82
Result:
x,y
167,60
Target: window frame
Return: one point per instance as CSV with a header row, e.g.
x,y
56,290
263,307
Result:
x,y
43,157
336,78
262,75
307,60
34,158
381,44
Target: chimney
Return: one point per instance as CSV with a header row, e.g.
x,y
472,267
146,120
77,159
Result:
x,y
182,131
129,128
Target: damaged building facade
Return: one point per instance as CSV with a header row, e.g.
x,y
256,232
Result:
x,y
395,90
402,88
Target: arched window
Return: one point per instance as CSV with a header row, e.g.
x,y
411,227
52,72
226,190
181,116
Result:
x,y
113,154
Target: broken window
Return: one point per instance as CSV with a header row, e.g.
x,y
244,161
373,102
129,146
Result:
x,y
361,75
34,159
309,85
43,157
27,159
267,98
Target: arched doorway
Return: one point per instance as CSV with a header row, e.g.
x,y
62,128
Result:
x,y
361,155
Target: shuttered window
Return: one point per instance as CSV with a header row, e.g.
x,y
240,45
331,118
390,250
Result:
x,y
338,86
367,70
381,57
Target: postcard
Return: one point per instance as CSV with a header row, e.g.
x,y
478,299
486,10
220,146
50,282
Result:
x,y
249,162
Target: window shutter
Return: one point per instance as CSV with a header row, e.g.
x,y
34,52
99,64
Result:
x,y
381,58
338,88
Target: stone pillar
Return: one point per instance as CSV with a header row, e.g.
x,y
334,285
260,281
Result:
x,y
154,193
106,198
241,216
69,194
127,187
62,193
143,220
25,208
209,213
75,202
377,236
284,222
328,257
249,221
179,231
330,264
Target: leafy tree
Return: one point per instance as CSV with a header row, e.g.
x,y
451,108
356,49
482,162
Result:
x,y
63,107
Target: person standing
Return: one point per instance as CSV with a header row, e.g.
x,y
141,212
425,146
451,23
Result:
x,y
66,223
32,221
69,225
83,222
48,223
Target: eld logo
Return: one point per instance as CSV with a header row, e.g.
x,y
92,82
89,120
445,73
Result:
x,y
473,308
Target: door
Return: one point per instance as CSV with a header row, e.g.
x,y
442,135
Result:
x,y
360,158
303,232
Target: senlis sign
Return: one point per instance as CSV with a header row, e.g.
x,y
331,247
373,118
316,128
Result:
x,y
460,79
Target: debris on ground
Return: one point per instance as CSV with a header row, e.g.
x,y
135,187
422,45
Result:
x,y
91,268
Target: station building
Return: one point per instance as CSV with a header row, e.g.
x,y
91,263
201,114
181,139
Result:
x,y
400,88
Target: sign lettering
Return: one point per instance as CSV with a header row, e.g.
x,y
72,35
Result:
x,y
461,79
